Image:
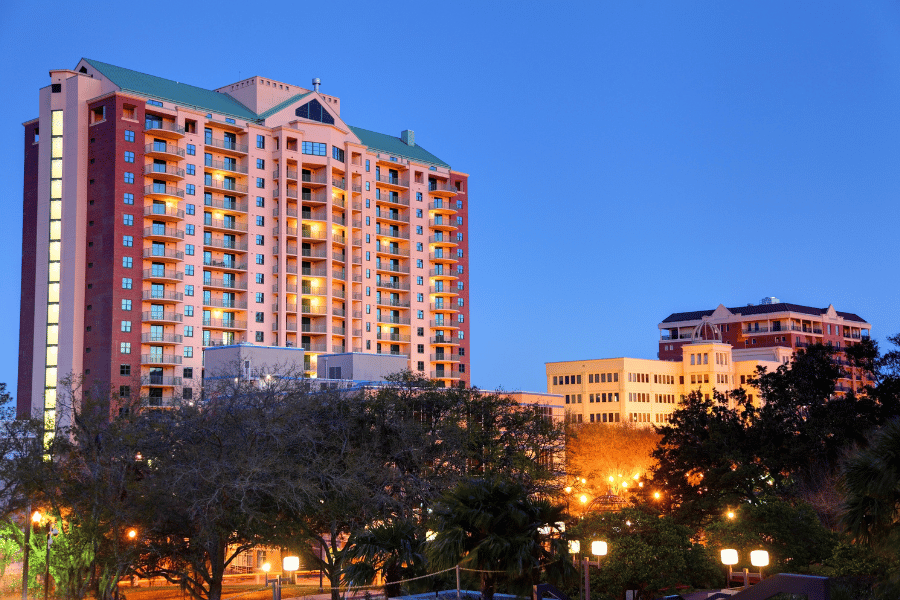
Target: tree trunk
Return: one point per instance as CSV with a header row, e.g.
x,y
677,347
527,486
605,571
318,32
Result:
x,y
487,586
217,572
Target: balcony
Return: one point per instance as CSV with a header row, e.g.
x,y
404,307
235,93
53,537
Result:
x,y
163,172
441,188
310,347
226,165
165,296
224,324
290,193
312,328
381,249
443,273
445,374
391,352
444,308
444,290
442,257
226,204
160,359
163,234
226,145
166,255
164,151
227,284
340,274
392,319
317,178
391,232
445,358
310,271
163,275
289,212
392,180
339,182
308,234
222,303
390,215
235,339
308,215
228,265
389,302
312,290
442,239
443,341
379,266
165,129
338,331
155,316
290,288
224,224
442,206
806,329
161,381
161,338
392,199
162,212
158,190
225,186
288,174
160,401
392,337
317,197
443,325
225,244
441,224
392,285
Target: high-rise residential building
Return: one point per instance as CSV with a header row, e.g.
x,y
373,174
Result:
x,y
705,351
161,218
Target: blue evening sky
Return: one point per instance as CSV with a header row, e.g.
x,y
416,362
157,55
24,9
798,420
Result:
x,y
627,159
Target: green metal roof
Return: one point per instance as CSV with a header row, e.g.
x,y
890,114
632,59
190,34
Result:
x,y
281,105
179,93
396,146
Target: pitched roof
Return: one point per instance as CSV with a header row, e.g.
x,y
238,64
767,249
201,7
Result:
x,y
282,105
173,91
396,146
761,309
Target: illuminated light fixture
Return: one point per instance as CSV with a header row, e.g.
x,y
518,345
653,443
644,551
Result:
x,y
598,548
132,533
583,480
36,517
584,499
291,563
574,547
656,495
759,558
730,514
611,478
640,484
729,557
635,476
430,535
624,484
568,489
266,567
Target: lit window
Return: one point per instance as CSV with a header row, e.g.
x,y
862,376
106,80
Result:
x,y
125,347
188,290
260,297
188,351
260,259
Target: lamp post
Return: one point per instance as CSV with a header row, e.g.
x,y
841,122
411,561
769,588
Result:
x,y
291,564
32,523
598,549
51,531
730,558
759,558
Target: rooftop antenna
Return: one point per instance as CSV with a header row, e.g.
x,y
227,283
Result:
x,y
316,83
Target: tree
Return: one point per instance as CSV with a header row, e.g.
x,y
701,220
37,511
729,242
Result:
x,y
596,451
647,552
792,534
493,526
871,484
395,550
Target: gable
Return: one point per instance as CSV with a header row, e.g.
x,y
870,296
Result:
x,y
314,111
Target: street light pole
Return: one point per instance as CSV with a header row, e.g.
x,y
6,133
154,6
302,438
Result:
x,y
598,549
32,522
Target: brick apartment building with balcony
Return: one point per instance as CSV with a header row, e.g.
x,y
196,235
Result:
x,y
162,218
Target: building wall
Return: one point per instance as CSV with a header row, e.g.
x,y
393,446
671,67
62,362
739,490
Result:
x,y
646,391
29,269
358,366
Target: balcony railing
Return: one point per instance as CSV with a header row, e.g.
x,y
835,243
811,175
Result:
x,y
392,337
446,340
391,215
224,324
160,359
393,198
154,253
288,192
394,232
151,169
393,320
225,283
225,264
161,338
445,358
226,186
156,210
160,148
226,145
392,180
222,303
339,182
163,190
446,374
169,232
439,187
379,266
440,204
387,302
389,250
225,165
226,204
222,224
151,126
225,244
161,380
290,174
170,296
162,316
314,177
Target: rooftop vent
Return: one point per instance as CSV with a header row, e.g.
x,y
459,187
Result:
x,y
770,300
316,83
408,136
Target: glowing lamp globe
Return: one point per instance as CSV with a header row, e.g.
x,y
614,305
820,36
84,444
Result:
x,y
598,548
759,558
291,563
574,547
729,557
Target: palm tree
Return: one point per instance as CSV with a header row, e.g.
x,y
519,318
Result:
x,y
494,527
393,549
871,485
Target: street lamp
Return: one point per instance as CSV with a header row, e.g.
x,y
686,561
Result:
x,y
598,549
35,521
759,558
266,567
291,564
730,558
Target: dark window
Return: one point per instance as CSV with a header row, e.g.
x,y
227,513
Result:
x,y
189,372
314,111
124,369
55,88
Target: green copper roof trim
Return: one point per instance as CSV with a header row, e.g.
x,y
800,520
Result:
x,y
179,93
283,105
395,146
